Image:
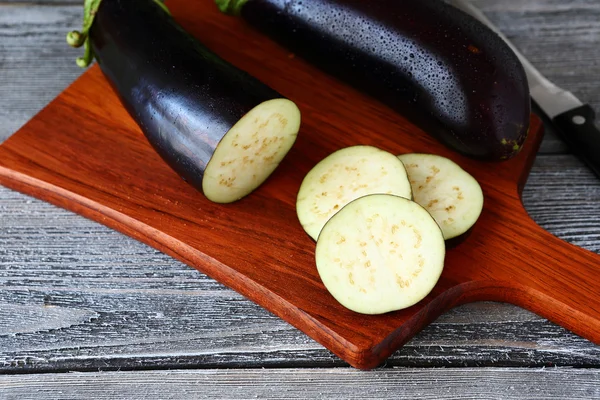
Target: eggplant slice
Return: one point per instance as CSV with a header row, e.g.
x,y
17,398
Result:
x,y
343,176
380,253
449,193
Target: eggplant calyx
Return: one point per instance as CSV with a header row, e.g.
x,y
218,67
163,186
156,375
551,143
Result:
x,y
231,7
81,38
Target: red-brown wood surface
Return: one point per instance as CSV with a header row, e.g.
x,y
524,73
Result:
x,y
84,153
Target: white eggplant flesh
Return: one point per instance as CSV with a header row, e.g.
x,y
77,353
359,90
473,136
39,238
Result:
x,y
380,253
251,150
346,175
450,194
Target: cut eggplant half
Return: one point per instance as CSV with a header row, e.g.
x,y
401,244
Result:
x,y
380,253
449,193
220,129
251,150
344,176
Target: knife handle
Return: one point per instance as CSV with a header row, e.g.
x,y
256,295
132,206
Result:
x,y
577,127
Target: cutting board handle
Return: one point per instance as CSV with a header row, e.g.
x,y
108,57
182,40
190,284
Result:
x,y
554,279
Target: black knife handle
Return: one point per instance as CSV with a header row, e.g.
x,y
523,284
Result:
x,y
577,127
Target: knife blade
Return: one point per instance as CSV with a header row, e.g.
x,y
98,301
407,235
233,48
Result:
x,y
573,120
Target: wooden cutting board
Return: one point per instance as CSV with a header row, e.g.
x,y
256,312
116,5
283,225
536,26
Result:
x,y
83,152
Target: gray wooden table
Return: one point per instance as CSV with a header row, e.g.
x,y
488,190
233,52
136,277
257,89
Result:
x,y
86,312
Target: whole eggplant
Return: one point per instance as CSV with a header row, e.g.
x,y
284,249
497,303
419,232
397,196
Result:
x,y
183,96
436,65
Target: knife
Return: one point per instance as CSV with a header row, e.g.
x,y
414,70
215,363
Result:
x,y
574,121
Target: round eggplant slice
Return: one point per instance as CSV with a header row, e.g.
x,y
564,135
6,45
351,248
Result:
x,y
380,253
449,193
346,175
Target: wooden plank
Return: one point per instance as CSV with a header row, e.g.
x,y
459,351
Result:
x,y
392,383
563,196
36,64
75,295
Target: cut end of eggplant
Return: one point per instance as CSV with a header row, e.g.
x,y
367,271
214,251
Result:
x,y
344,176
251,150
380,253
449,193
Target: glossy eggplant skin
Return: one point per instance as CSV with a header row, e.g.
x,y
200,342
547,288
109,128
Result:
x,y
439,67
183,96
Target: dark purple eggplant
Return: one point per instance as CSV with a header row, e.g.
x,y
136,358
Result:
x,y
434,64
219,128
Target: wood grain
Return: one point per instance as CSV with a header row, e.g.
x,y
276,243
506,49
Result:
x,y
35,64
72,168
392,383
